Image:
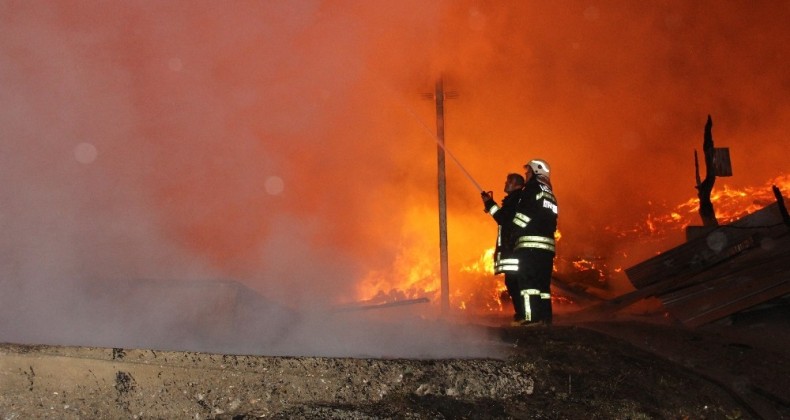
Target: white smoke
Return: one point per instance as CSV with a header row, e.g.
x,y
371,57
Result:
x,y
281,145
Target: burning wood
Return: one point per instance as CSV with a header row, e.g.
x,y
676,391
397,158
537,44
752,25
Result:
x,y
732,268
721,269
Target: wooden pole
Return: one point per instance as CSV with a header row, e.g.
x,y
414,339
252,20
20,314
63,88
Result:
x,y
439,95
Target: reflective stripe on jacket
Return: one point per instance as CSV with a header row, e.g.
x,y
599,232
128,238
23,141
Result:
x,y
539,242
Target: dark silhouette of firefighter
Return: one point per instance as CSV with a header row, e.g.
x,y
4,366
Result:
x,y
527,222
504,260
535,223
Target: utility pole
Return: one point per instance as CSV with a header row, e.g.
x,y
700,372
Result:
x,y
439,96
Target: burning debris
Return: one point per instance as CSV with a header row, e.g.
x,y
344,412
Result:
x,y
746,223
722,268
728,269
750,223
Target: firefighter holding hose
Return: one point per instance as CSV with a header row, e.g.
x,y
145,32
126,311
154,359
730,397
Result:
x,y
532,228
504,261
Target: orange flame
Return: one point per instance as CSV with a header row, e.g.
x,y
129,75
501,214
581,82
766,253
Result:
x,y
474,288
730,204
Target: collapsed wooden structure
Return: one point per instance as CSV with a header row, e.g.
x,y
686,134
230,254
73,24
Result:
x,y
722,270
718,271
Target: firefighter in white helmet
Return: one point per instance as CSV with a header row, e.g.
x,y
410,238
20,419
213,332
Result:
x,y
504,260
535,221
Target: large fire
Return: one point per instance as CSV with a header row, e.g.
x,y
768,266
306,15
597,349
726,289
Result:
x,y
474,287
729,203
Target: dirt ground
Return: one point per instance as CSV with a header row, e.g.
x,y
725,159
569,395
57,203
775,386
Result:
x,y
624,369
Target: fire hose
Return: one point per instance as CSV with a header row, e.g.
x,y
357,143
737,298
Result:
x,y
449,153
438,141
434,136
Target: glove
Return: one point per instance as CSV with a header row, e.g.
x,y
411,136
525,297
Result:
x,y
488,200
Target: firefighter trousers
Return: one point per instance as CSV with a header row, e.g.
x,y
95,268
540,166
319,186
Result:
x,y
534,283
511,283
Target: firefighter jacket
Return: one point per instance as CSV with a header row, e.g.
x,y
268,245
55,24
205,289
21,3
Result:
x,y
535,217
503,215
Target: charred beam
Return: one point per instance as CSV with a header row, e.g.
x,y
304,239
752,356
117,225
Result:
x,y
705,186
780,201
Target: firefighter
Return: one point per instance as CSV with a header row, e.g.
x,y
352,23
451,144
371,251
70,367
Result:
x,y
504,261
535,221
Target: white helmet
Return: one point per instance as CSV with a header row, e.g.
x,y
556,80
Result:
x,y
539,167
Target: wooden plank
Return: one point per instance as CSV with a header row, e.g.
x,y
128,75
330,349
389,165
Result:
x,y
773,256
573,291
699,254
694,256
720,303
760,235
760,253
761,275
721,161
624,300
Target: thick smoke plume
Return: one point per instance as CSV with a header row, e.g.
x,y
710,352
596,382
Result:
x,y
283,145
